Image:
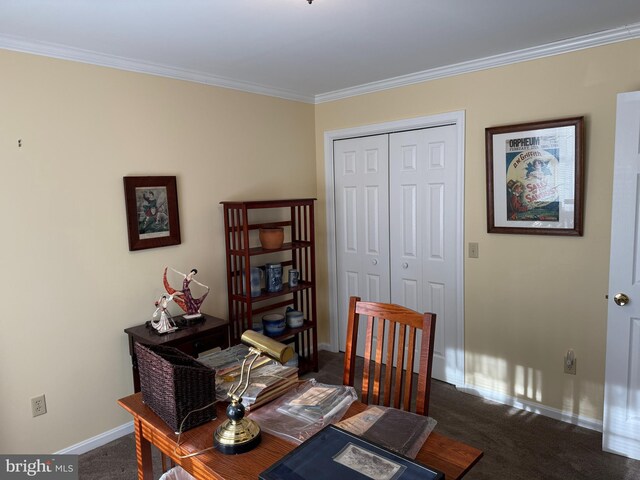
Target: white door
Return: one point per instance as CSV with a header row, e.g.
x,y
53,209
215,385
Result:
x,y
622,375
396,218
362,223
422,180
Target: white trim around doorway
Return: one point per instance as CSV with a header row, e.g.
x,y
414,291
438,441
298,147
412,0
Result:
x,y
452,118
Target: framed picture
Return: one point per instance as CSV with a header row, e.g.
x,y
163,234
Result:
x,y
333,453
152,212
535,177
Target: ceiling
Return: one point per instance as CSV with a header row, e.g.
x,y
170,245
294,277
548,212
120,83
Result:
x,y
327,50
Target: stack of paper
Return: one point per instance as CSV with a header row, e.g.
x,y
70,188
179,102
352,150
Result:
x,y
268,378
266,382
229,360
304,410
269,382
316,403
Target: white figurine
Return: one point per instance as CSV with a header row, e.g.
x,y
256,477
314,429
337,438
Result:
x,y
165,323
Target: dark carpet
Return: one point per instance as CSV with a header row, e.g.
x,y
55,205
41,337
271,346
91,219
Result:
x,y
517,445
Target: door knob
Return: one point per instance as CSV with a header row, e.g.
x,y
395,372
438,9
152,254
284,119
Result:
x,y
374,261
621,299
405,265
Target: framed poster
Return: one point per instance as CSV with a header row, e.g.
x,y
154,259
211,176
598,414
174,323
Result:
x,y
535,177
152,212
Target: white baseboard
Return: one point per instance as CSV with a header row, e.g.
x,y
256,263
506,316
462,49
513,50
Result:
x,y
98,440
327,347
534,407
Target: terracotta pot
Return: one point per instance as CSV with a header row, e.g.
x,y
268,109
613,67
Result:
x,y
271,238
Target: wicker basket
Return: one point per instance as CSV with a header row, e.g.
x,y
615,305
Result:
x,y
174,384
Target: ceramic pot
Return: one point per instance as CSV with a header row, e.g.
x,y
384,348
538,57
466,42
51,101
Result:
x,y
257,327
255,276
273,324
294,276
295,319
273,277
271,238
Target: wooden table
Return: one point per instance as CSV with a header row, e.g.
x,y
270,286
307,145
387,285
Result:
x,y
193,339
451,457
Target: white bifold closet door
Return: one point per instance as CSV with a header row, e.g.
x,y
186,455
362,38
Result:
x,y
395,237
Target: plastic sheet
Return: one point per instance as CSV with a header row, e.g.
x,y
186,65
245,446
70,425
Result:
x,y
305,410
177,473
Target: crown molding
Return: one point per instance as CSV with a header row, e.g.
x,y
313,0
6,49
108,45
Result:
x,y
628,32
9,42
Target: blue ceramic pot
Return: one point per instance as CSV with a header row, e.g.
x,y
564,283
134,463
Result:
x,y
257,327
273,276
273,324
294,318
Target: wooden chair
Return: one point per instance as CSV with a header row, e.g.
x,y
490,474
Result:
x,y
409,322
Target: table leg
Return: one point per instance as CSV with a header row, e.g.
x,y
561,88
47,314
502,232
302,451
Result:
x,y
143,452
167,462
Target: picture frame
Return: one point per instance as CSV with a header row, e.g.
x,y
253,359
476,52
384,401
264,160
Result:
x,y
535,177
333,453
152,211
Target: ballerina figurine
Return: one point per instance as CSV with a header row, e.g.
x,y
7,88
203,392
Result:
x,y
183,298
161,319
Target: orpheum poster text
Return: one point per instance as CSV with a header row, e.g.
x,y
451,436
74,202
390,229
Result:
x,y
532,179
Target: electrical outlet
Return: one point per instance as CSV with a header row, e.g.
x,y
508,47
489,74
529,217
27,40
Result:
x,y
570,362
38,406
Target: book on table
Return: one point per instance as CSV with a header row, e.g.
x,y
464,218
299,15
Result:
x,y
398,430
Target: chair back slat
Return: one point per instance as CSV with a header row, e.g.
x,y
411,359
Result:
x,y
397,395
391,338
378,361
384,319
368,352
408,381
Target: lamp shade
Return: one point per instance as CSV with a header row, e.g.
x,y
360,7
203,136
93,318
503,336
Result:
x,y
268,346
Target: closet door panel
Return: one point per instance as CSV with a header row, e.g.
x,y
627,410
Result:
x,y
362,218
422,194
396,227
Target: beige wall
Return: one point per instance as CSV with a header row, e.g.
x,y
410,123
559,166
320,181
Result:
x,y
69,283
527,298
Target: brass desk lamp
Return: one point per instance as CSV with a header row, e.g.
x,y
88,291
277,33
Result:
x,y
238,434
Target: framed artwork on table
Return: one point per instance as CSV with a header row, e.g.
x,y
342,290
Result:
x,y
535,177
333,453
152,212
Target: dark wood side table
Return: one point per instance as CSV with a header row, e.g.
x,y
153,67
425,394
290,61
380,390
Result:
x,y
192,339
